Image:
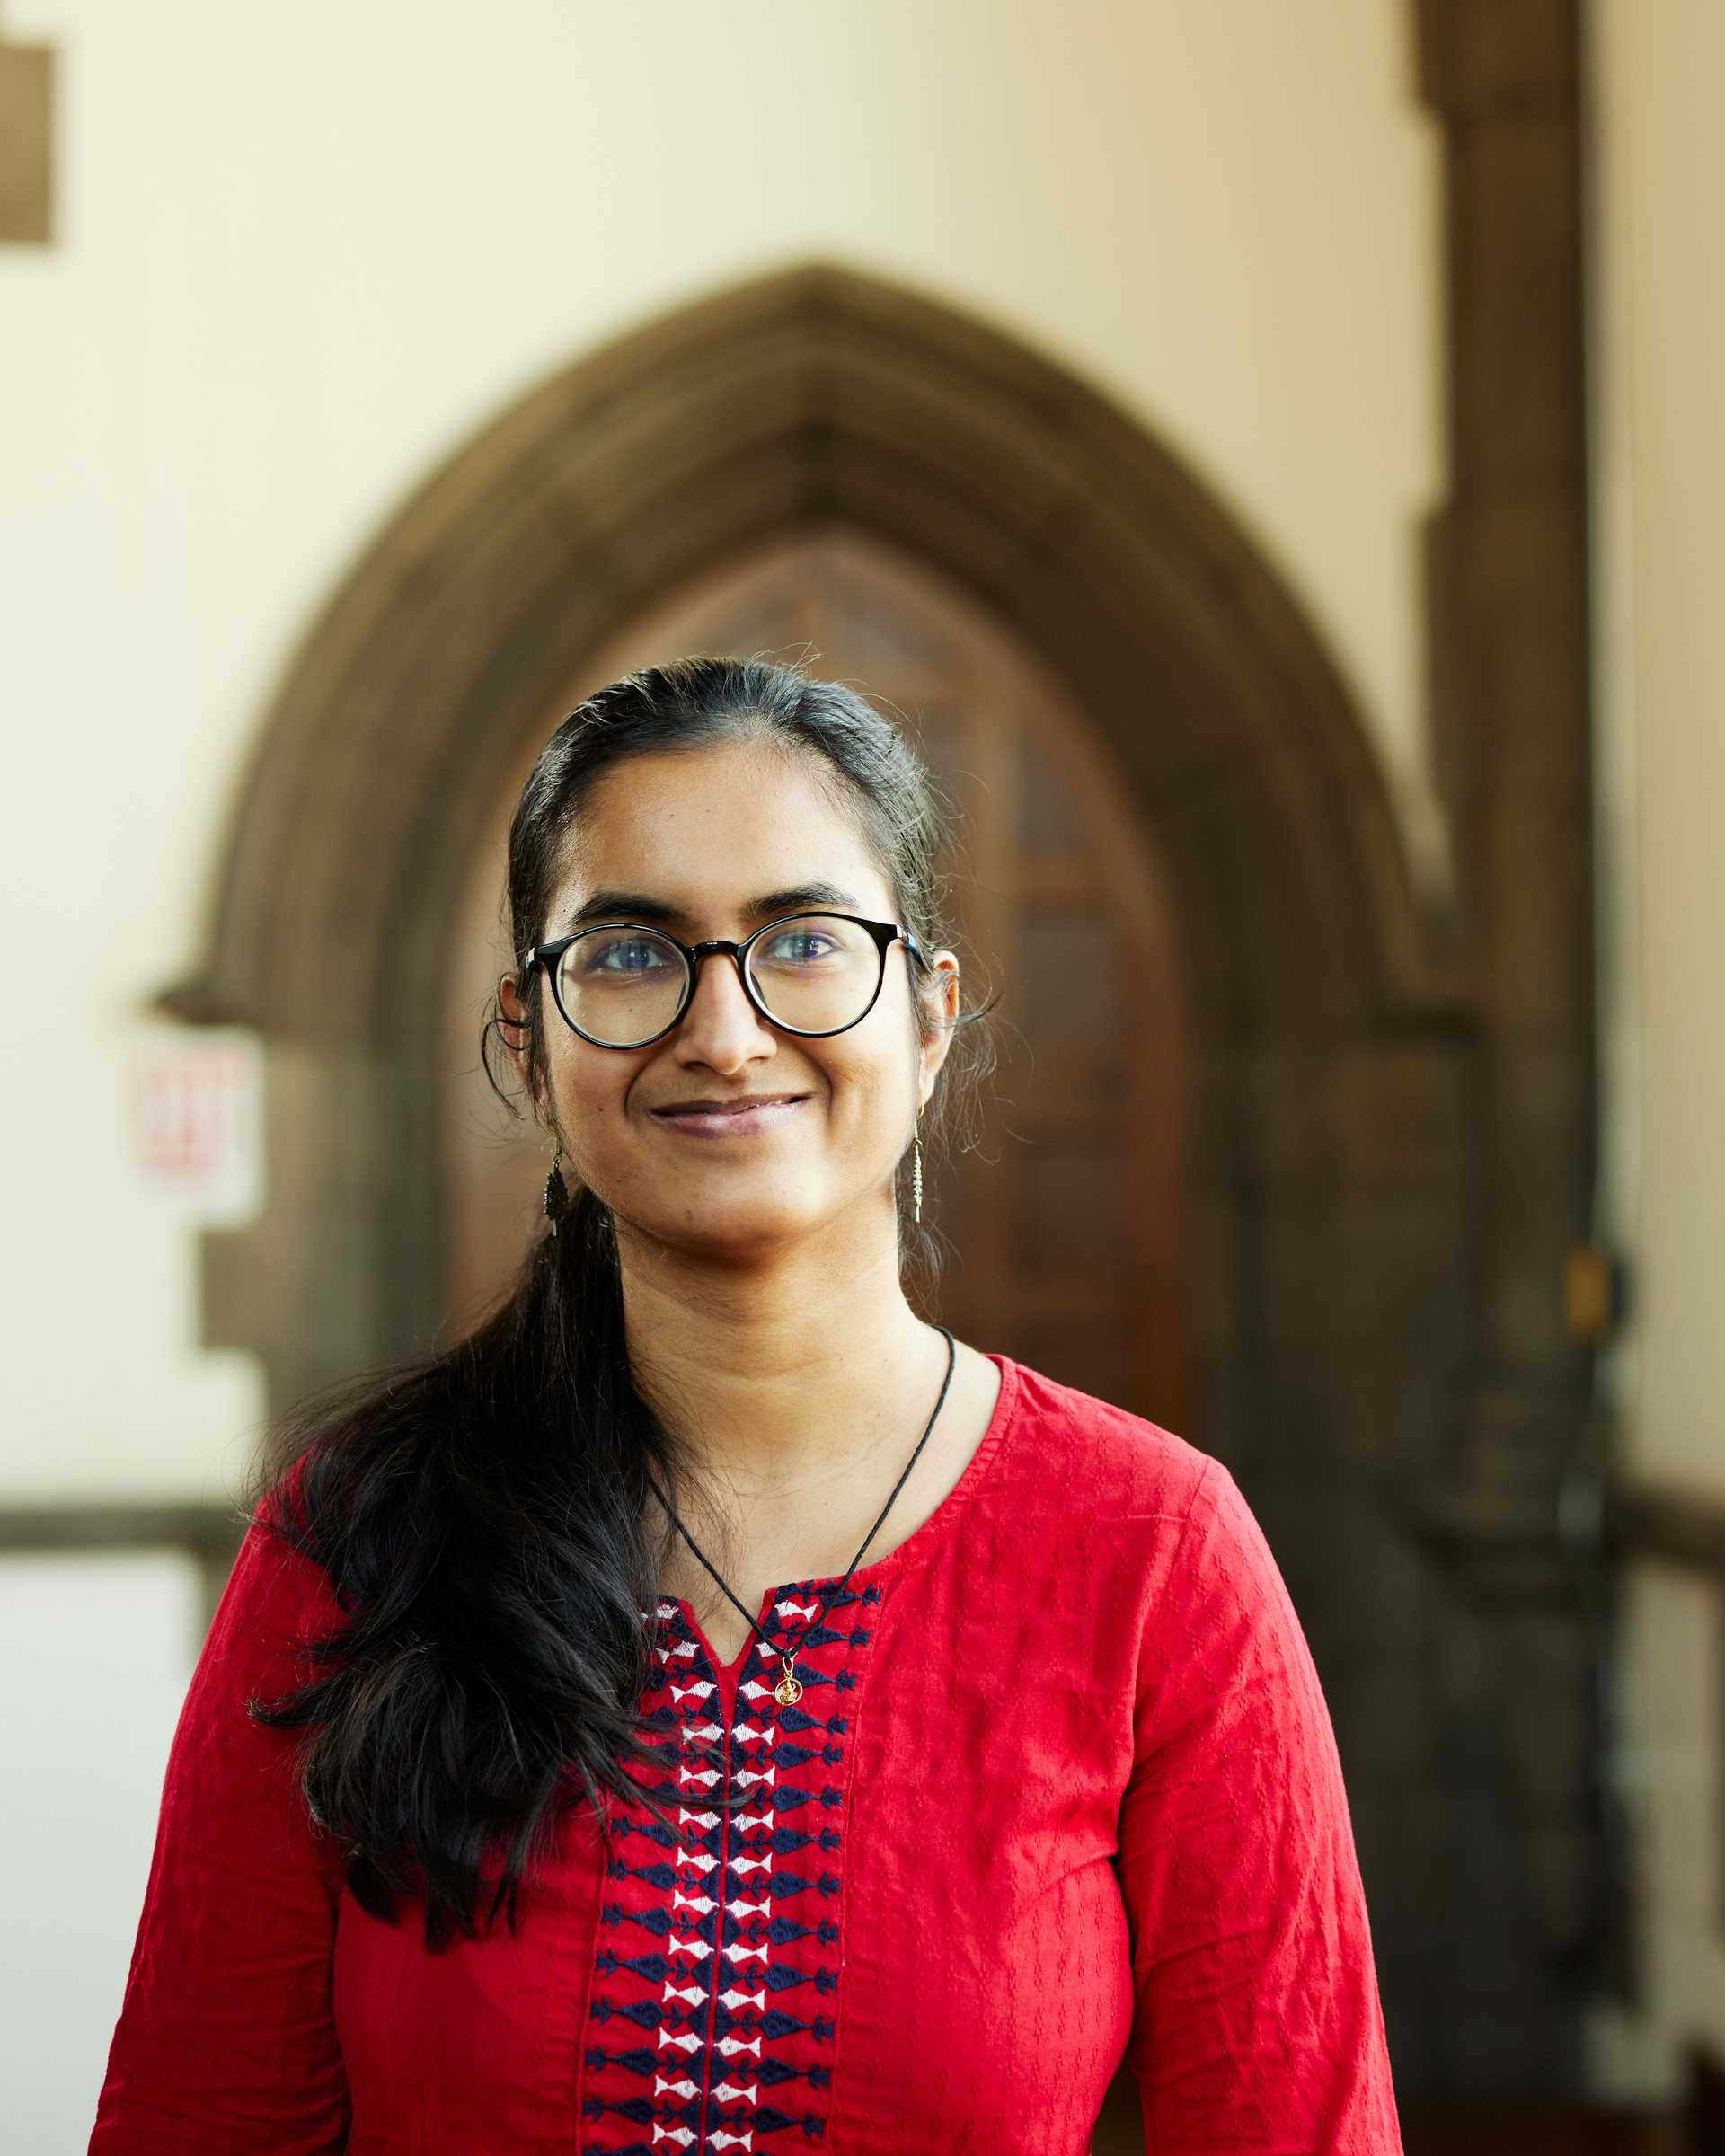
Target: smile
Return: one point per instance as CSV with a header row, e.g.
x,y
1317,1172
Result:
x,y
729,1122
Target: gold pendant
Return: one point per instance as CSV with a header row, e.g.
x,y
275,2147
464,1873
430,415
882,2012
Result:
x,y
788,1691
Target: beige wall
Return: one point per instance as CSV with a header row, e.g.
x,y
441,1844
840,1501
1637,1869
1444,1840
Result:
x,y
306,250
1661,426
1659,465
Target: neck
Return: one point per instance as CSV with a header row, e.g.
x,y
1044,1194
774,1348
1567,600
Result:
x,y
781,1378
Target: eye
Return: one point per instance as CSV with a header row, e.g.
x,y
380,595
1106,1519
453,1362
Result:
x,y
799,947
619,953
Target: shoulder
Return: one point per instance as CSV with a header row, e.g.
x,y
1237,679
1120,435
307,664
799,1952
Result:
x,y
1161,1519
277,1596
1111,1512
1104,1458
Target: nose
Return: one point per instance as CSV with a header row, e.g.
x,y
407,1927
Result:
x,y
720,1027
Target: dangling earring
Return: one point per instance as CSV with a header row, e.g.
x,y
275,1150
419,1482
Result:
x,y
556,1191
917,1174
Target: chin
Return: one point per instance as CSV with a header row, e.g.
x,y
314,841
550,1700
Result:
x,y
748,1225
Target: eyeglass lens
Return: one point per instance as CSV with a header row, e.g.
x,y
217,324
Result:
x,y
813,972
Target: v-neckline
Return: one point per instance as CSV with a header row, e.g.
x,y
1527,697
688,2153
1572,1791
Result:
x,y
920,1538
772,1595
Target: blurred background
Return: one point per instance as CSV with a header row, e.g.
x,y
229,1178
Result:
x,y
1270,454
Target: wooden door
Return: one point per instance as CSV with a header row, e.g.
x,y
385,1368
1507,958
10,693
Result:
x,y
1066,1221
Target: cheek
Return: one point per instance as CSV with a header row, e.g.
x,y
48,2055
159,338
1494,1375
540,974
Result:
x,y
868,1097
592,1098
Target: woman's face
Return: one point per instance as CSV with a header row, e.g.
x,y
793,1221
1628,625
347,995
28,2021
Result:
x,y
708,833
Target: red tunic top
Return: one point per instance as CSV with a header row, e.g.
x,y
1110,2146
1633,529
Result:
x,y
1061,1788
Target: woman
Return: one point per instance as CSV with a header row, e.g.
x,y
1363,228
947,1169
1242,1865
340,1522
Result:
x,y
749,1719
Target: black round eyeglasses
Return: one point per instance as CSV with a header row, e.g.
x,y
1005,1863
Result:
x,y
619,985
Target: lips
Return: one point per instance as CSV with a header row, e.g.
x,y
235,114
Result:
x,y
737,1119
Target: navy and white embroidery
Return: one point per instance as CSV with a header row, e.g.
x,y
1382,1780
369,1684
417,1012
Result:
x,y
713,2008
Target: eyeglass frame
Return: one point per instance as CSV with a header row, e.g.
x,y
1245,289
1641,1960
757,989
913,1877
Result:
x,y
885,934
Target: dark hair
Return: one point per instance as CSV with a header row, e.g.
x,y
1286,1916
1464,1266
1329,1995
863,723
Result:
x,y
481,1511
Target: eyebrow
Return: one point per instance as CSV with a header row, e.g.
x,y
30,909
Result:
x,y
640,906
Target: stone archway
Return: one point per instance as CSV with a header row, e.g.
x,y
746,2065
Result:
x,y
816,392
1335,1182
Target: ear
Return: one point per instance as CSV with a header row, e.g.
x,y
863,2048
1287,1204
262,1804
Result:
x,y
515,1026
939,989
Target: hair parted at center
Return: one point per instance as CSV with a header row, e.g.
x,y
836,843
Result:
x,y
482,1511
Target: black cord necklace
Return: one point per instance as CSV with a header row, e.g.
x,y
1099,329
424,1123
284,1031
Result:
x,y
788,1691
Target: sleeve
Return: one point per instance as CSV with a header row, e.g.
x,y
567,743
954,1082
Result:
x,y
1257,2023
225,2041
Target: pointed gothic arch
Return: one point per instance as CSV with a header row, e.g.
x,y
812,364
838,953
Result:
x,y
816,392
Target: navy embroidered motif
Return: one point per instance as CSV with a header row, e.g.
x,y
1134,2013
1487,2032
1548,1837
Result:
x,y
713,2007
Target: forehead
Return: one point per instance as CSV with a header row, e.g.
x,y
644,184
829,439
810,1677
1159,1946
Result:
x,y
709,832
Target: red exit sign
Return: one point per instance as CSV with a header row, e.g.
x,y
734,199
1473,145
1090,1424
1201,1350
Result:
x,y
196,1119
